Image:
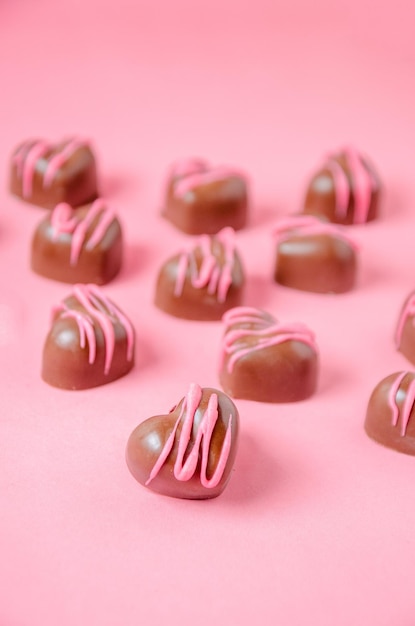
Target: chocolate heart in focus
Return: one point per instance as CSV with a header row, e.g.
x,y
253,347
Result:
x,y
188,453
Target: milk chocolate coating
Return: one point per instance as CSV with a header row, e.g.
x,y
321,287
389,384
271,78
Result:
x,y
146,443
75,182
284,372
66,363
379,416
51,255
321,196
318,263
194,302
405,339
208,207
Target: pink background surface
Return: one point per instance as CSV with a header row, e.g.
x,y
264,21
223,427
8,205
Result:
x,y
317,523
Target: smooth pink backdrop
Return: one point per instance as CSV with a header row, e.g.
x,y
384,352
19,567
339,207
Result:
x,y
318,523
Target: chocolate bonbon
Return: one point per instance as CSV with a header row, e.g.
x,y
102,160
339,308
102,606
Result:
x,y
314,255
201,199
390,416
266,360
46,174
345,190
81,245
91,341
405,329
189,452
203,281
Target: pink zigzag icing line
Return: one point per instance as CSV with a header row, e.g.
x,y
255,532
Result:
x,y
28,155
204,177
407,311
185,470
364,184
308,225
65,220
408,404
268,332
210,275
188,167
98,309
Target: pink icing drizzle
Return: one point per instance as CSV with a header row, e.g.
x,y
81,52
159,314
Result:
x,y
98,308
308,225
212,175
26,159
186,167
185,470
210,275
364,184
58,159
268,331
341,185
408,404
28,155
64,220
407,311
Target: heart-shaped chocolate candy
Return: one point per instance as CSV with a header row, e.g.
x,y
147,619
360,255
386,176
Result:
x,y
314,255
203,281
188,453
46,174
266,360
90,342
202,199
78,245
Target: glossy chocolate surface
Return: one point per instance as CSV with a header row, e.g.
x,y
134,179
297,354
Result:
x,y
267,361
315,256
405,329
203,282
349,176
90,342
83,245
202,199
73,179
390,416
212,454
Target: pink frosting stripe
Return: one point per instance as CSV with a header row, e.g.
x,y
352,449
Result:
x,y
20,155
187,167
184,470
217,279
364,183
407,311
36,152
65,220
408,404
267,331
58,159
341,185
213,175
308,225
27,157
99,309
86,330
